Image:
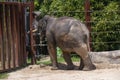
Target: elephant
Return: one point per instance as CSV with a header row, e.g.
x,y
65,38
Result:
x,y
70,35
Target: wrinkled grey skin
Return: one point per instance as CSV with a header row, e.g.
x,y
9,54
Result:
x,y
70,35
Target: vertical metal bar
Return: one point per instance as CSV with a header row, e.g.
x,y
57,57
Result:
x,y
11,36
24,35
15,35
33,60
1,41
20,35
4,39
2,54
87,17
17,13
8,37
22,40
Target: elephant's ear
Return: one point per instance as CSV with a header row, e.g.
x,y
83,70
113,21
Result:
x,y
46,17
36,15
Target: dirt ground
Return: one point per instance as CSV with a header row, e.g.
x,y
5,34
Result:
x,y
42,72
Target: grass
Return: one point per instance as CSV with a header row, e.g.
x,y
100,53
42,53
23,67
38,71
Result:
x,y
60,60
3,75
74,58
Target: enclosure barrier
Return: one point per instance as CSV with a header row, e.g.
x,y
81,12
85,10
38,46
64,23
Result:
x,y
12,35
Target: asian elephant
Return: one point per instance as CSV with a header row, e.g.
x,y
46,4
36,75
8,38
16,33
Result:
x,y
70,35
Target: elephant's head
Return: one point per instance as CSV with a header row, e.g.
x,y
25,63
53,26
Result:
x,y
35,15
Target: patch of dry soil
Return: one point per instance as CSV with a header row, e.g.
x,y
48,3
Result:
x,y
38,72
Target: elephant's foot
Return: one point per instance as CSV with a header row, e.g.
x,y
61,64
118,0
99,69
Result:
x,y
88,65
70,67
81,67
54,68
88,68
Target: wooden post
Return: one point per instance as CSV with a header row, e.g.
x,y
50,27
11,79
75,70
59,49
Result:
x,y
33,60
88,17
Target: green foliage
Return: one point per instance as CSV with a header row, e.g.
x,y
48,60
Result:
x,y
107,24
61,8
59,52
106,17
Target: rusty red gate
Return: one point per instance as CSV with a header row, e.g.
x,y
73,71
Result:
x,y
12,35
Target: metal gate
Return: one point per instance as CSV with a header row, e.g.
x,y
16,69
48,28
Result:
x,y
12,34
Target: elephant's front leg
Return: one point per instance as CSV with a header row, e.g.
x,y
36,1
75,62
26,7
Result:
x,y
53,56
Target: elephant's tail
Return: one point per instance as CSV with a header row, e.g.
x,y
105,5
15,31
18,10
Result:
x,y
86,39
88,45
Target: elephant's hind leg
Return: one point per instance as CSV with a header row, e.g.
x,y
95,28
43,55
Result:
x,y
81,64
86,63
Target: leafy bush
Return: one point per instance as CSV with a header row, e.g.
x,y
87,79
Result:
x,y
106,28
105,16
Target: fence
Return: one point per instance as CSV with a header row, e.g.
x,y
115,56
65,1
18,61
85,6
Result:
x,y
103,24
12,35
105,30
